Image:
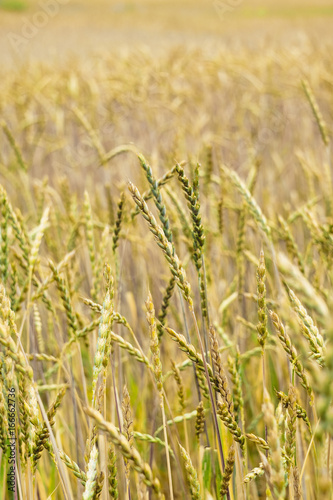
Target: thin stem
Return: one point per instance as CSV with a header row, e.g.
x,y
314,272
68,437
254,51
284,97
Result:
x,y
212,400
167,448
264,386
189,341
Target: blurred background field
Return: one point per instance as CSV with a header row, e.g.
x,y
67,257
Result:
x,y
82,27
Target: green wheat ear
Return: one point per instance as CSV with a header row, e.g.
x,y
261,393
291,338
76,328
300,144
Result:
x,y
167,248
191,475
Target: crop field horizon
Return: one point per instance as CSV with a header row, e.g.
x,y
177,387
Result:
x,y
56,29
166,250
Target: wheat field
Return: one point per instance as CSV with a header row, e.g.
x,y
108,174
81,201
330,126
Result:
x,y
166,275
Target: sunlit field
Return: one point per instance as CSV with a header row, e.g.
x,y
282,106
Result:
x,y
166,251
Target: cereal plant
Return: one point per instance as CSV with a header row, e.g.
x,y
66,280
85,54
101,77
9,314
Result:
x,y
166,252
